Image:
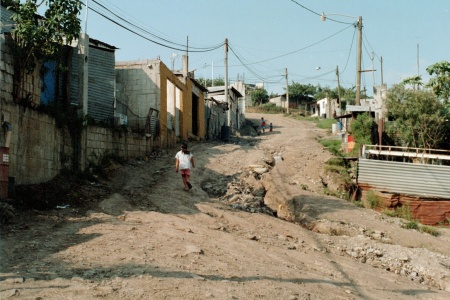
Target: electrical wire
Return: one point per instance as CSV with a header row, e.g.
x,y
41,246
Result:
x,y
197,50
316,13
309,46
148,32
249,69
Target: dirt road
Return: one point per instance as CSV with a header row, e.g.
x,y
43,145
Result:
x,y
140,236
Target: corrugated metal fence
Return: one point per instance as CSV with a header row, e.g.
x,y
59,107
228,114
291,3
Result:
x,y
406,178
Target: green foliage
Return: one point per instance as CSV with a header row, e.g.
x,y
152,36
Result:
x,y
441,82
415,81
372,199
358,203
209,82
347,95
389,212
404,211
430,230
297,89
268,108
259,96
361,130
334,146
411,225
35,39
419,118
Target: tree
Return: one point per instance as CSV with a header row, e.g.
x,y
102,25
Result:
x,y
209,82
259,96
297,90
362,130
36,38
441,83
414,81
323,92
420,119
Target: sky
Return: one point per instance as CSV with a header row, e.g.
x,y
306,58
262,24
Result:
x,y
268,37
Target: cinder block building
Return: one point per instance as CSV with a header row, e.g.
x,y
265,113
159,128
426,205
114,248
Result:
x,y
166,106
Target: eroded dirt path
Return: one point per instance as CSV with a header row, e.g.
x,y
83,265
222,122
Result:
x,y
143,237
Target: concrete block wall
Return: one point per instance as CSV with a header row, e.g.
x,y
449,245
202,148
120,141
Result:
x,y
138,87
6,71
101,141
36,146
31,83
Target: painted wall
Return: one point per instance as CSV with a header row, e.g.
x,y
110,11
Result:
x,y
142,85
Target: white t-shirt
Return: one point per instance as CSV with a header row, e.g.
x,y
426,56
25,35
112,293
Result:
x,y
185,160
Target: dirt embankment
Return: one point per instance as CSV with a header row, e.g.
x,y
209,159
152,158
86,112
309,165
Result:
x,y
138,235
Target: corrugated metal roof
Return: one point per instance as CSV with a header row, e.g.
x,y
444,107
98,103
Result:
x,y
406,178
5,18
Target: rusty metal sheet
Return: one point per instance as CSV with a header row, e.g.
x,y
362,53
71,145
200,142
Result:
x,y
406,178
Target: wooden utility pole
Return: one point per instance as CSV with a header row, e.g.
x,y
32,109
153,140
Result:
x,y
339,90
358,63
226,83
287,91
381,62
187,56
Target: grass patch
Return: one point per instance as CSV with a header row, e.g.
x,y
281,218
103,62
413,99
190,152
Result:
x,y
404,211
389,212
411,225
325,123
334,146
268,108
422,228
430,230
372,199
359,203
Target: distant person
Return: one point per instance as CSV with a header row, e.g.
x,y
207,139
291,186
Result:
x,y
270,127
184,163
263,125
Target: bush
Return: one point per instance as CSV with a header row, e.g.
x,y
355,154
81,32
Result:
x,y
334,146
411,225
372,199
430,230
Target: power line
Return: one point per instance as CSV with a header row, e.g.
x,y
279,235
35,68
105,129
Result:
x,y
309,46
316,13
197,50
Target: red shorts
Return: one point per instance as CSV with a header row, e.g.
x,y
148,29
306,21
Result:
x,y
185,172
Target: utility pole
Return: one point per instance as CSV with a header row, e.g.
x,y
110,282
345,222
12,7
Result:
x,y
212,74
381,62
187,56
358,63
418,70
226,83
339,90
287,91
86,19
